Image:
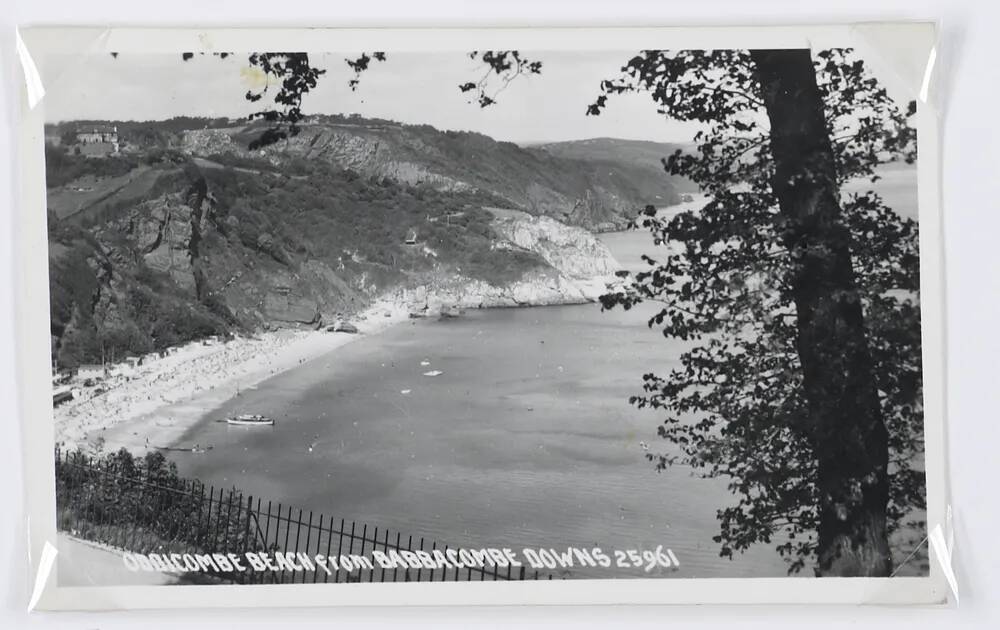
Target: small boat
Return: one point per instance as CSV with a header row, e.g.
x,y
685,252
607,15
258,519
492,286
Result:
x,y
251,419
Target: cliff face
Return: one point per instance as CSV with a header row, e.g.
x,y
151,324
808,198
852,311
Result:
x,y
372,151
573,252
185,264
159,248
578,269
596,194
140,275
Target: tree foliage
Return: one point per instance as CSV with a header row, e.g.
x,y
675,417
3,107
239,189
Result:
x,y
498,69
360,64
115,497
295,77
736,407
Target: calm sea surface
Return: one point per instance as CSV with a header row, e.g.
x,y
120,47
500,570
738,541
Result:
x,y
525,439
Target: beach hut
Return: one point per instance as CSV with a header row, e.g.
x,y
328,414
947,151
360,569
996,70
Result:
x,y
61,394
91,370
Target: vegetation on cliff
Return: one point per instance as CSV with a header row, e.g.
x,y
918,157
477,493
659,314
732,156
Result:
x,y
155,247
592,193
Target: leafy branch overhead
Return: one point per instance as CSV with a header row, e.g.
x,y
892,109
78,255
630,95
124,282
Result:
x,y
360,64
295,77
498,69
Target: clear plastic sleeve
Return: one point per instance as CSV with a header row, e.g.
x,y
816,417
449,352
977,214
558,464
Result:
x,y
82,558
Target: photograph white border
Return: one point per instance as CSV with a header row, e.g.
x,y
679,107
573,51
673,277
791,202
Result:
x,y
905,52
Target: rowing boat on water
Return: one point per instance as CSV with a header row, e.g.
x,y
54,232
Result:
x,y
250,419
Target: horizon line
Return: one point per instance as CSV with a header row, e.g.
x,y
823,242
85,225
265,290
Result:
x,y
243,120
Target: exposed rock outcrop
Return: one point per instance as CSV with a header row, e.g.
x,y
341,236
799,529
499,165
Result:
x,y
283,307
540,288
581,268
343,327
162,229
580,192
575,253
359,151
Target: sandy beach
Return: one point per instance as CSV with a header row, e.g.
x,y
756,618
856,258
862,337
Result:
x,y
152,405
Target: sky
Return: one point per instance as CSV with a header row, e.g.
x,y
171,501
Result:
x,y
418,88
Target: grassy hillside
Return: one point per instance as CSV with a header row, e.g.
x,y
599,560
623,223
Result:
x,y
186,233
203,250
639,154
590,193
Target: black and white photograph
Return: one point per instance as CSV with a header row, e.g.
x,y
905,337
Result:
x,y
347,315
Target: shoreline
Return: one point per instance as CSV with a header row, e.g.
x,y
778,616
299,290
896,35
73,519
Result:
x,y
151,405
153,408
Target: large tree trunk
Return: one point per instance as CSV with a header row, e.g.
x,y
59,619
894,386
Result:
x,y
846,426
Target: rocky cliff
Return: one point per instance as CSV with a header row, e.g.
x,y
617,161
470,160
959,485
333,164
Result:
x,y
215,239
574,252
579,268
593,193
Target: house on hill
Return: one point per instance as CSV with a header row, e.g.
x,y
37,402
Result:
x,y
97,140
92,134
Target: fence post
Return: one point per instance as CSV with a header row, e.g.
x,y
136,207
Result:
x,y
308,540
319,543
218,521
406,570
246,531
288,530
394,567
385,548
371,573
347,576
258,575
207,526
267,539
364,541
246,536
329,542
419,570
229,520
